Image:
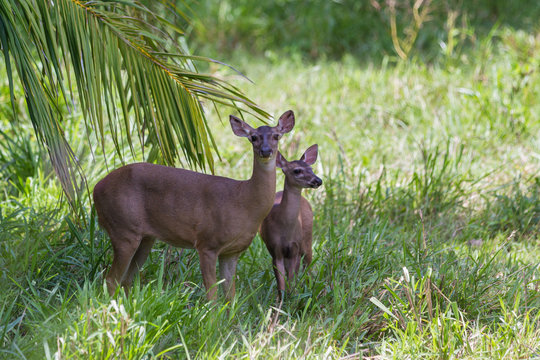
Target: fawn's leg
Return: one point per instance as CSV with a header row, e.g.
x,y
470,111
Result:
x,y
279,271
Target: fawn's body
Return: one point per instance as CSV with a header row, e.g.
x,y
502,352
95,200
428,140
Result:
x,y
217,216
287,230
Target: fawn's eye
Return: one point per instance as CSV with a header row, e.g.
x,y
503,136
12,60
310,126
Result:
x,y
276,136
297,171
253,138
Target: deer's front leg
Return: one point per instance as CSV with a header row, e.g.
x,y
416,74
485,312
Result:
x,y
227,270
208,260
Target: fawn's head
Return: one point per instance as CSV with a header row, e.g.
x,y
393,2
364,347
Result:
x,y
265,138
298,172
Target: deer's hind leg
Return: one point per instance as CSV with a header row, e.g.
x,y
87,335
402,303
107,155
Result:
x,y
138,260
124,248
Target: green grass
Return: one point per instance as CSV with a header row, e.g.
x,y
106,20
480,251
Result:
x,y
426,228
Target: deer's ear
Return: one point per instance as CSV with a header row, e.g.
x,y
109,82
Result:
x,y
310,156
286,122
281,162
239,127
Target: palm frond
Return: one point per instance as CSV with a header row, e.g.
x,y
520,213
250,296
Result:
x,y
120,62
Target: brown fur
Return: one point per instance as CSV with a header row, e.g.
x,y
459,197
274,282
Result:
x,y
217,216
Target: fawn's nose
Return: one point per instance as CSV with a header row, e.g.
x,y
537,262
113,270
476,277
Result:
x,y
315,183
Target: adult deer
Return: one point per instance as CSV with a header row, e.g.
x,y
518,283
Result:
x,y
217,216
287,230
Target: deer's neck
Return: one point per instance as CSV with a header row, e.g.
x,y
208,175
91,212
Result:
x,y
289,207
262,185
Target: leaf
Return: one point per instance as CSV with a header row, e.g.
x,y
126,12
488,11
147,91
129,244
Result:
x,y
132,79
380,305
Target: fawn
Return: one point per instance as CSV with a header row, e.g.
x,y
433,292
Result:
x,y
287,230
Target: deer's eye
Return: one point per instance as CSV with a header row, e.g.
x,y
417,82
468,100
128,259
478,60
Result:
x,y
297,171
276,136
254,138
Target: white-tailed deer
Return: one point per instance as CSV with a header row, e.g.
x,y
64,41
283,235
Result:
x,y
217,216
287,230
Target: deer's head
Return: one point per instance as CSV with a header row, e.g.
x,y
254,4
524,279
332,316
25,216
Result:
x,y
265,138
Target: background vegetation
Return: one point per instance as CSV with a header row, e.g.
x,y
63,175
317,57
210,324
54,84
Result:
x,y
426,227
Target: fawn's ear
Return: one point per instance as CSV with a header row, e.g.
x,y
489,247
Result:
x,y
286,122
239,127
281,162
310,156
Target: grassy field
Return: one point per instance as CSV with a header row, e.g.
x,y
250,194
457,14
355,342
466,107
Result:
x,y
426,228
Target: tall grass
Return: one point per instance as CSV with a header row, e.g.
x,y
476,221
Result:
x,y
425,240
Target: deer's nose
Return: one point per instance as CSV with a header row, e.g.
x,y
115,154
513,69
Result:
x,y
316,182
265,151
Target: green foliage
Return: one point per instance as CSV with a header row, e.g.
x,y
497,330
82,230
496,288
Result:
x,y
331,29
120,64
426,228
310,27
20,159
438,187
419,310
517,210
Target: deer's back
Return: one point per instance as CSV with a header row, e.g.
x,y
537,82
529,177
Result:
x,y
179,206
